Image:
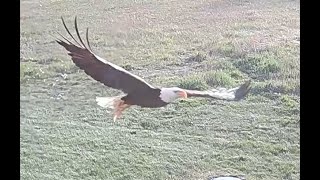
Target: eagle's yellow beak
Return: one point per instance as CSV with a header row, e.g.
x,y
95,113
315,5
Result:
x,y
182,94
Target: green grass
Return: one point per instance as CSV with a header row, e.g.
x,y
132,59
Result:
x,y
203,81
191,44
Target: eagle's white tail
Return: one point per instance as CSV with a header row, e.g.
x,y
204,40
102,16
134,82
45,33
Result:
x,y
107,102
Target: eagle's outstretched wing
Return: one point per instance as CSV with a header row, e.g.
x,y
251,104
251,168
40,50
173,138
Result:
x,y
98,68
233,94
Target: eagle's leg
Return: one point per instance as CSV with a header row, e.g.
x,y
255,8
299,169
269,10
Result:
x,y
119,107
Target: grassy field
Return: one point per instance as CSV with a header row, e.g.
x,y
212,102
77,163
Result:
x,y
200,44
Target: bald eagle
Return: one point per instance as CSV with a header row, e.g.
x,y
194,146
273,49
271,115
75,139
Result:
x,y
137,91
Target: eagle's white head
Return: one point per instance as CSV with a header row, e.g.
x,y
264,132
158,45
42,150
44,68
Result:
x,y
168,95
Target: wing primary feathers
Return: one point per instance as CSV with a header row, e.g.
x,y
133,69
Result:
x,y
243,90
98,68
88,39
65,26
65,38
57,39
234,94
77,31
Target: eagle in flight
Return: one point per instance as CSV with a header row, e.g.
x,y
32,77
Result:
x,y
137,91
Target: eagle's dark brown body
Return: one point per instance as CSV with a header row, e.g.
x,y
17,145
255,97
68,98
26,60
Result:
x,y
145,98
